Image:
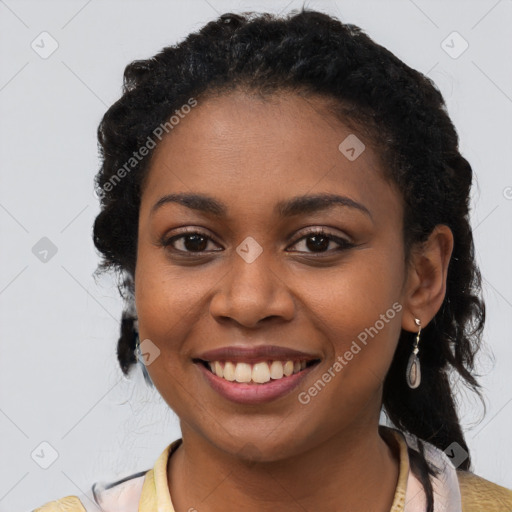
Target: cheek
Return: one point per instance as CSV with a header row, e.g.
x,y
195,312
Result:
x,y
359,322
162,304
169,299
357,308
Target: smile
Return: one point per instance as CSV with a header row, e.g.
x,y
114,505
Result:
x,y
256,382
257,373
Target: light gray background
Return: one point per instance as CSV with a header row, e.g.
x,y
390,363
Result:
x,y
59,379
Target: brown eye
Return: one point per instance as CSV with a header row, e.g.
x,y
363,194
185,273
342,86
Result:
x,y
319,242
190,242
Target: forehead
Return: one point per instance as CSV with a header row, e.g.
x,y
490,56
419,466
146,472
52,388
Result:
x,y
254,151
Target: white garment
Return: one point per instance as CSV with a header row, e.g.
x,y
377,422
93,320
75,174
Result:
x,y
119,496
446,489
125,495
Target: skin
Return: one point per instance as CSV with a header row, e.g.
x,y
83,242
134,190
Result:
x,y
250,153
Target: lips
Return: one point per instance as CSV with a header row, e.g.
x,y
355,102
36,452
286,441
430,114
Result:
x,y
256,354
250,393
253,375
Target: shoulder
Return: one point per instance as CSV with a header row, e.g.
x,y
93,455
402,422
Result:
x,y
67,504
123,493
479,494
476,493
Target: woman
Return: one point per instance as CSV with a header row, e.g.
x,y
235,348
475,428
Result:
x,y
289,209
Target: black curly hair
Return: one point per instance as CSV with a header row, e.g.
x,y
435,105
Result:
x,y
398,109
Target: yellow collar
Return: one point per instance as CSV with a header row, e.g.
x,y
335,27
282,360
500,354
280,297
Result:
x,y
156,496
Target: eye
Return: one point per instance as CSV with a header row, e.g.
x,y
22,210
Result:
x,y
319,241
188,242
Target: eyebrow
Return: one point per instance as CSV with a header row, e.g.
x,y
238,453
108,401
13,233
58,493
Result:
x,y
298,205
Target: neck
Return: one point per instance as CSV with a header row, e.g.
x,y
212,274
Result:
x,y
355,470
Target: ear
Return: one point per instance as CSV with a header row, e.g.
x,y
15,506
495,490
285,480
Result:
x,y
426,281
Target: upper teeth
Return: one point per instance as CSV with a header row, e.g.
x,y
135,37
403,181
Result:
x,y
258,373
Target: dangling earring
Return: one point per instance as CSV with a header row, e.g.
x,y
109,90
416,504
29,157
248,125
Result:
x,y
413,372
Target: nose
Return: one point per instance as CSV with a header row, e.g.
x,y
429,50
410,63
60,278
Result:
x,y
252,292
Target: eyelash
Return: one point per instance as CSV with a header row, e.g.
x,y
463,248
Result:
x,y
344,244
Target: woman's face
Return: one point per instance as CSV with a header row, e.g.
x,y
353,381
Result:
x,y
252,274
